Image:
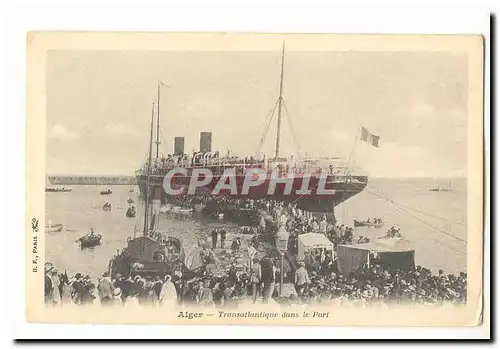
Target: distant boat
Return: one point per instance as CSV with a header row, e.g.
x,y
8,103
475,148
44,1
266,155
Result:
x,y
130,200
106,192
57,190
437,188
107,207
52,228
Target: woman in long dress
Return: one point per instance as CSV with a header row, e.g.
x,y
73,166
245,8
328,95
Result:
x,y
168,294
54,277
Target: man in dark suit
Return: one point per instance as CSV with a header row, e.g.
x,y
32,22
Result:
x,y
215,233
48,289
222,238
78,289
268,278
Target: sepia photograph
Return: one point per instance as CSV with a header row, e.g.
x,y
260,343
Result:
x,y
255,178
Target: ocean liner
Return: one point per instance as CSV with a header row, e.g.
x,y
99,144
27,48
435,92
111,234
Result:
x,y
332,174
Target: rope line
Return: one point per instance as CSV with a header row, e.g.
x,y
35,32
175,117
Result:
x,y
270,118
294,135
433,227
404,210
423,212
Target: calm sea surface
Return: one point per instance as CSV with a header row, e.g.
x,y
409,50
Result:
x,y
427,219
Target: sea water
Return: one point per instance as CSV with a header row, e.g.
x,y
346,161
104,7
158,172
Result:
x,y
433,222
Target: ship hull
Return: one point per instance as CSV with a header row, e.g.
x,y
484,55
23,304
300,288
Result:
x,y
344,187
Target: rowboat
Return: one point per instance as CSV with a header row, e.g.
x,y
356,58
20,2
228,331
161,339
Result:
x,y
90,240
52,228
368,225
130,212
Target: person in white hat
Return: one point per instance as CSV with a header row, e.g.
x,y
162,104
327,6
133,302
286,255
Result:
x,y
117,296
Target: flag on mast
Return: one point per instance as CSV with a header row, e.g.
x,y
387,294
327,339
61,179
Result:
x,y
162,83
369,137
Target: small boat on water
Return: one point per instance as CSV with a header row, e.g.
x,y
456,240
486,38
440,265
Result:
x,y
369,224
389,238
58,190
90,240
106,207
52,228
130,200
130,212
393,233
106,192
438,188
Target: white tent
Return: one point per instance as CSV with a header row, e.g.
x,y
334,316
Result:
x,y
312,241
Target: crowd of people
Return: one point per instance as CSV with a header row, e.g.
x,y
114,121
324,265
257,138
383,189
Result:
x,y
269,214
318,277
260,284
379,285
81,290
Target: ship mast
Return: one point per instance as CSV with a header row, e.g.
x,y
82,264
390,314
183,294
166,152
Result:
x,y
146,210
158,122
280,103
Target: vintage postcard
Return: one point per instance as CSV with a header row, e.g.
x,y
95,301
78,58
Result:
x,y
211,178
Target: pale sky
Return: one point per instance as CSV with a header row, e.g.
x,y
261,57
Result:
x,y
99,107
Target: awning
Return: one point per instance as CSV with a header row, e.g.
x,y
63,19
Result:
x,y
389,253
309,241
313,240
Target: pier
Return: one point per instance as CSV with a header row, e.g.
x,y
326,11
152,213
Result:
x,y
90,180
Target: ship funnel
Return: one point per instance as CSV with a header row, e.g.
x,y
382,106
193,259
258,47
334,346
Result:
x,y
178,145
205,141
